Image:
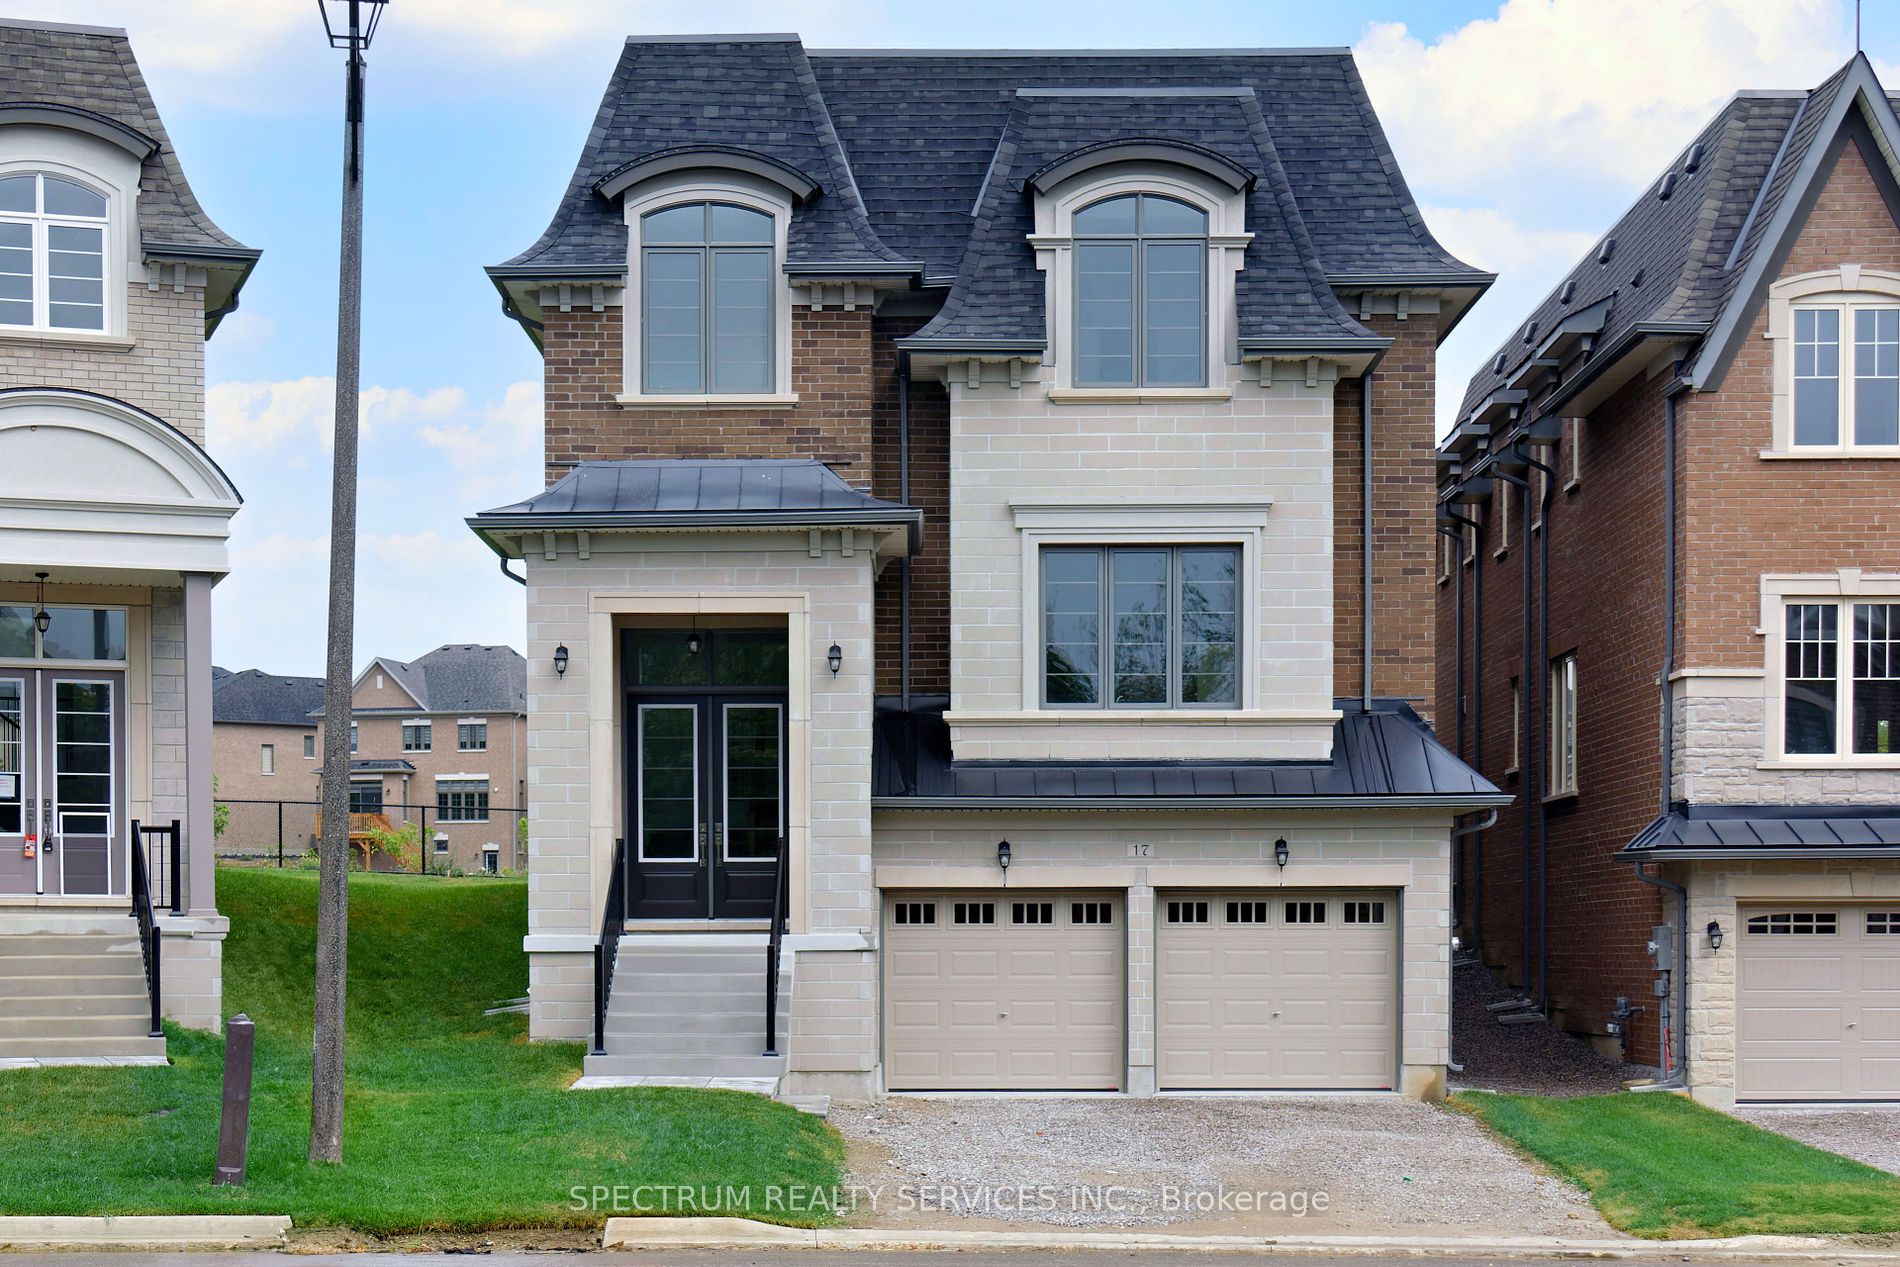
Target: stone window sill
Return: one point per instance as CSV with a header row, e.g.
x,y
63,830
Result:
x,y
68,339
766,400
1145,717
1830,455
1831,763
1134,395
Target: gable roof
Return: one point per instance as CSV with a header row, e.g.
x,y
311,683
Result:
x,y
462,678
919,165
251,696
1689,260
87,77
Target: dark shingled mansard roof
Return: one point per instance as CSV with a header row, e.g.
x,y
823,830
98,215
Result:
x,y
1705,830
1684,260
88,73
1388,754
920,162
255,697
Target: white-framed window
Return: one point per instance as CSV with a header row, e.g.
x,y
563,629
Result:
x,y
417,735
461,800
267,758
54,257
1447,552
1517,726
1572,460
353,737
1140,626
1836,340
1505,491
471,735
309,747
1841,678
1561,772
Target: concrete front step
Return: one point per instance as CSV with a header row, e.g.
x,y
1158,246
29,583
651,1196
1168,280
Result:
x,y
77,945
116,1024
622,1021
622,1042
53,1049
51,986
22,1008
616,1065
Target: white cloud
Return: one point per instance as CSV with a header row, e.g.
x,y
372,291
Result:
x,y
1495,242
262,417
1600,87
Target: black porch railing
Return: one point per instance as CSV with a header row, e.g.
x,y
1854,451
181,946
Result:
x,y
613,922
781,903
150,939
164,863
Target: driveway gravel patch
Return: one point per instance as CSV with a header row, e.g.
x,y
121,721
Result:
x,y
1534,1059
1384,1164
1867,1135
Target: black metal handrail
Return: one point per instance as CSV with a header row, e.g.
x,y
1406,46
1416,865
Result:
x,y
170,889
613,922
149,937
781,903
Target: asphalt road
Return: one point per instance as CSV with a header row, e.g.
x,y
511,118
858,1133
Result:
x,y
770,1258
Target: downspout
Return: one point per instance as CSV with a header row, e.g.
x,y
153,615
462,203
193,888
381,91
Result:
x,y
1456,533
1526,701
1365,541
1451,534
518,580
1543,725
1457,843
903,497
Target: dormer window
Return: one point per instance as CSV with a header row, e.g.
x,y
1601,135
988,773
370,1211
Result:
x,y
706,300
52,253
1140,293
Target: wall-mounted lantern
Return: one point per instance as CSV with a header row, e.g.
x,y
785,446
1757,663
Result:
x,y
560,660
834,659
1715,935
1003,852
1281,853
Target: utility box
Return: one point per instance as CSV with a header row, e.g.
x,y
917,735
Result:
x,y
1662,946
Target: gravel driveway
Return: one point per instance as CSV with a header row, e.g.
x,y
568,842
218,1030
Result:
x,y
1869,1135
1384,1165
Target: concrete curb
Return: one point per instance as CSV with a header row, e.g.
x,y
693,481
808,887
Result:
x,y
732,1233
139,1231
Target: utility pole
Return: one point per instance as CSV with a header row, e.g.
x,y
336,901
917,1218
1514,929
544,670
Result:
x,y
350,24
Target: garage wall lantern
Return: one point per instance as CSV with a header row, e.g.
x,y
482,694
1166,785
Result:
x,y
560,660
1002,854
692,643
1715,935
834,659
1281,853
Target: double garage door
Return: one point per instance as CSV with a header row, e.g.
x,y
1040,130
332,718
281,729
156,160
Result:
x,y
1028,990
1818,1003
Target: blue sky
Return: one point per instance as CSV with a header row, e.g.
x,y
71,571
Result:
x,y
1524,128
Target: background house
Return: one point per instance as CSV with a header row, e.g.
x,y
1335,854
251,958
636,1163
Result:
x,y
971,470
113,522
1669,587
264,734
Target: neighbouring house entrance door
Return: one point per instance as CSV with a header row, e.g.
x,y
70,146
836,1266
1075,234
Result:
x,y
62,782
706,734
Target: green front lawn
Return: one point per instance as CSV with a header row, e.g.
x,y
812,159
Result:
x,y
454,1121
1660,1165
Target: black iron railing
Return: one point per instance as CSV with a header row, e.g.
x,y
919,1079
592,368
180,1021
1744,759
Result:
x,y
149,937
164,865
613,922
781,904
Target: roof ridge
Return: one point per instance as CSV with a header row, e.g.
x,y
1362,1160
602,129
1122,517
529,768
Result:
x,y
68,28
1320,50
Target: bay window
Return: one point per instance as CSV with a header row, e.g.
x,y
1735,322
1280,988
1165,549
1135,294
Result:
x,y
1841,679
1141,627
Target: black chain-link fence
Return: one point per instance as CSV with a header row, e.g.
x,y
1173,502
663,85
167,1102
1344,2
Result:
x,y
285,834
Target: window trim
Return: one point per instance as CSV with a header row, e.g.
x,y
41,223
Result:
x,y
1227,238
466,783
1106,650
1138,243
461,723
1847,289
267,759
1560,775
1843,588
117,265
740,190
425,734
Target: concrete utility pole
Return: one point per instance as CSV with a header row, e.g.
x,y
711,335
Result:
x,y
352,31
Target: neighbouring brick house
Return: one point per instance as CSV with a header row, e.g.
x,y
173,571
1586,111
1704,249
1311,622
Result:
x,y
955,467
1671,542
113,524
264,735
440,741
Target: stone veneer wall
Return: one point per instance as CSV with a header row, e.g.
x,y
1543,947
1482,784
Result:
x,y
1718,729
161,373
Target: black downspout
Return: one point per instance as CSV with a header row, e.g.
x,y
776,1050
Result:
x,y
1365,540
1526,700
1451,534
1543,723
903,497
1667,738
1477,730
1476,759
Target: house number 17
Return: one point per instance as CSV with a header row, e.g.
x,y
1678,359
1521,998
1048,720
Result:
x,y
1141,849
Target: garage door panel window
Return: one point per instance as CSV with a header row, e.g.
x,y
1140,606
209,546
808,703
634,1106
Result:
x,y
914,913
1826,712
1032,913
1364,912
1883,923
1247,912
1794,924
973,913
1092,913
1141,627
1306,912
1187,912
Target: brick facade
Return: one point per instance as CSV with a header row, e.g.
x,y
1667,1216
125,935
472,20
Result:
x,y
161,371
831,375
929,490
1404,539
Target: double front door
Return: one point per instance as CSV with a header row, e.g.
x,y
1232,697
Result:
x,y
62,782
707,805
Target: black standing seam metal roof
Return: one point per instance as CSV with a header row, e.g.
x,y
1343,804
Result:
x,y
921,159
727,491
1794,829
91,69
1694,250
1388,754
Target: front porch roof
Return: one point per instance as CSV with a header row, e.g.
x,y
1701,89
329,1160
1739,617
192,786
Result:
x,y
682,494
1712,832
1387,758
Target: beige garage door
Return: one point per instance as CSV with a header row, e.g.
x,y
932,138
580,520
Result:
x,y
1003,991
1818,1003
1266,990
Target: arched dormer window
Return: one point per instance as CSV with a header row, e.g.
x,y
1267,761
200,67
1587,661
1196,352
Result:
x,y
1140,293
52,253
706,300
